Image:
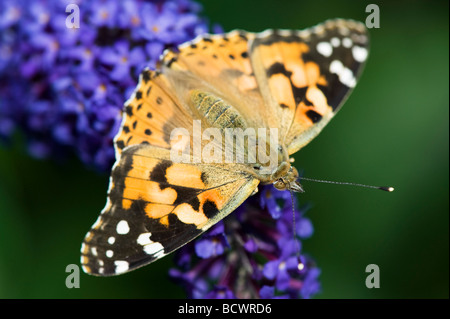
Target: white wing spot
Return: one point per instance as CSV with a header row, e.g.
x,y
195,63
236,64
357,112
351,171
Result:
x,y
345,75
335,42
359,53
121,266
144,239
109,253
284,33
122,227
111,240
155,249
324,48
347,42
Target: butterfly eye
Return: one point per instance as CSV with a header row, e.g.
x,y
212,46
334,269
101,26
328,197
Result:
x,y
257,166
280,185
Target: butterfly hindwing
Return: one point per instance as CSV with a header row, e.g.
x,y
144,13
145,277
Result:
x,y
155,206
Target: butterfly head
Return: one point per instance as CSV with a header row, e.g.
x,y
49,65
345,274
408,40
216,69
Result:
x,y
285,178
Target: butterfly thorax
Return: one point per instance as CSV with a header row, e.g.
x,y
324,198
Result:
x,y
222,115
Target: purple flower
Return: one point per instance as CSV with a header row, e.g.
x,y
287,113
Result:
x,y
310,285
64,88
10,13
220,292
121,58
304,228
280,270
84,52
213,243
274,201
103,13
158,23
129,16
196,287
268,292
251,254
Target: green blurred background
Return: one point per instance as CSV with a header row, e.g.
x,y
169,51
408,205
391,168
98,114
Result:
x,y
394,130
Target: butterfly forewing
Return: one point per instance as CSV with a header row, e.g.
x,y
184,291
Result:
x,y
151,114
306,75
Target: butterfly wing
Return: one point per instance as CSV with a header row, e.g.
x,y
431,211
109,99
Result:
x,y
155,206
305,76
151,114
220,65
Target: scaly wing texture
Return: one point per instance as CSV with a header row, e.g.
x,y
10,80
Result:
x,y
221,65
151,114
155,206
305,76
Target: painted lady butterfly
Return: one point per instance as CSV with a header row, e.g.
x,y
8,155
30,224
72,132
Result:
x,y
294,81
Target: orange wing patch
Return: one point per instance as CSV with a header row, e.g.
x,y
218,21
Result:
x,y
291,82
185,175
151,114
211,56
163,187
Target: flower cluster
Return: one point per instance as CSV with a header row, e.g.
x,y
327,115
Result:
x,y
64,86
252,254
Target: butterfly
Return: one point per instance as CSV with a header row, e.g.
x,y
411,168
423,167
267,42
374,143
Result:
x,y
293,81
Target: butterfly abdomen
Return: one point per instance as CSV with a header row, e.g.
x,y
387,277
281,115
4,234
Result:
x,y
217,112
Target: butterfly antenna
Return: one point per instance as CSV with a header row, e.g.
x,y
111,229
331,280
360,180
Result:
x,y
383,188
300,265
